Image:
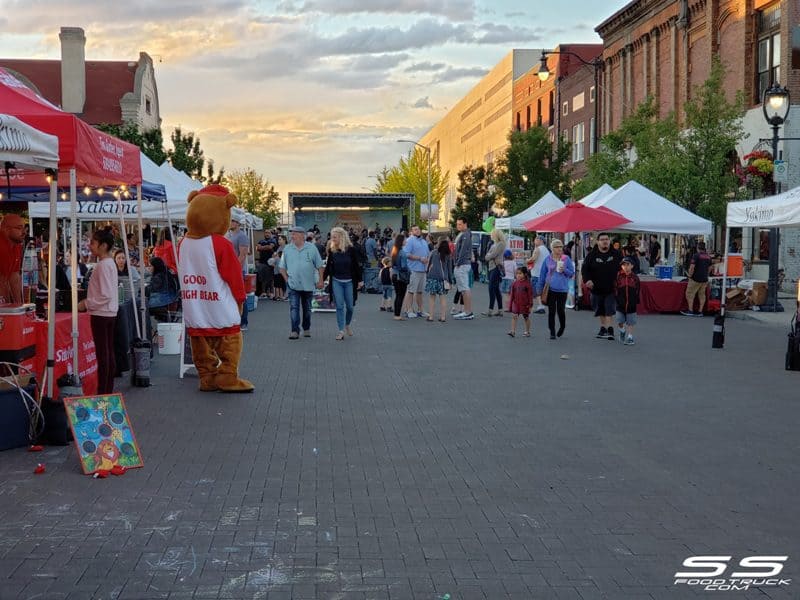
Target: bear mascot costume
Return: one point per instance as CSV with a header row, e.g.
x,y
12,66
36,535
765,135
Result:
x,y
212,290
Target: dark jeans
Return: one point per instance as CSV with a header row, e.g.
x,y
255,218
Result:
x,y
243,322
399,294
556,303
295,298
103,336
494,289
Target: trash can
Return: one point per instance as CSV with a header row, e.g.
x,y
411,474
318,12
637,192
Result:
x,y
141,363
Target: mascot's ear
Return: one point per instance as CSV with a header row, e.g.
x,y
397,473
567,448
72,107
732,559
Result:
x,y
192,194
230,200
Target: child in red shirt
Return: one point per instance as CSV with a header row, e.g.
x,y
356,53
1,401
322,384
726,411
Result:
x,y
521,301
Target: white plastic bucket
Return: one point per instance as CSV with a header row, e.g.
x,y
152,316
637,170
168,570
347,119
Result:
x,y
169,338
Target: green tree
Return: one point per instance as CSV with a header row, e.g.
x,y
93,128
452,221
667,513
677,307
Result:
x,y
150,141
473,197
255,195
530,167
690,164
186,155
410,175
713,127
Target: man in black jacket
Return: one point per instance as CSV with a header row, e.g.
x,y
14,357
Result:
x,y
599,273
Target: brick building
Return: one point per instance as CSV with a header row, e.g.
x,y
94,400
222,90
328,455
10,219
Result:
x,y
111,92
663,48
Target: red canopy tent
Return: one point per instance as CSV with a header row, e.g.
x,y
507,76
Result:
x,y
86,155
577,217
98,158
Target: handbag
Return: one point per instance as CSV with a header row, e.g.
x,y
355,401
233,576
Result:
x,y
545,290
404,275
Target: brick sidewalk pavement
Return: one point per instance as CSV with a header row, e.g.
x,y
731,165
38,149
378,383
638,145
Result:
x,y
422,459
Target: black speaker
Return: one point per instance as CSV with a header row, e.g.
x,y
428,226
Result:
x,y
718,337
404,224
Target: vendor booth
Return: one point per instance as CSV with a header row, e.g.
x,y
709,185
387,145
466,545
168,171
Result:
x,y
781,210
649,212
86,157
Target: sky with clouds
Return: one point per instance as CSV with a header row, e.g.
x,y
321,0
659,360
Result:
x,y
313,94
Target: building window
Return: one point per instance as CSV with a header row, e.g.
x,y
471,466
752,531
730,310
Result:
x,y
592,136
768,59
578,102
565,109
592,94
577,142
147,106
528,117
551,110
539,112
519,122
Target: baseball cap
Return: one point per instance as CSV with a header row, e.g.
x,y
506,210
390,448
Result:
x,y
508,254
628,260
297,229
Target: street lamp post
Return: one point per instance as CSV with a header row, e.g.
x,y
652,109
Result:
x,y
775,105
597,64
430,207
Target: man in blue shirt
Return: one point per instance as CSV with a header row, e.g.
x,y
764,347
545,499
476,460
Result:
x,y
301,267
370,245
417,252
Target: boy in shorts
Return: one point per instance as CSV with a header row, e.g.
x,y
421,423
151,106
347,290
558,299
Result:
x,y
626,290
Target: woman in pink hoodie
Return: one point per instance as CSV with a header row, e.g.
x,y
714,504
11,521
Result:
x,y
102,303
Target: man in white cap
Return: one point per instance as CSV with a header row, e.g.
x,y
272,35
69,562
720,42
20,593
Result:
x,y
241,244
298,264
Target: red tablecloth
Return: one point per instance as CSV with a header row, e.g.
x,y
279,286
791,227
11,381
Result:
x,y
87,359
656,296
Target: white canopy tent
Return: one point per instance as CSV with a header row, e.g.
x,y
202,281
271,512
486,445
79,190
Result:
x,y
27,147
781,210
650,212
597,195
545,205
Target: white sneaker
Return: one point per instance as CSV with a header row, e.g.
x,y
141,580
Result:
x,y
540,311
462,316
455,311
423,314
629,341
411,315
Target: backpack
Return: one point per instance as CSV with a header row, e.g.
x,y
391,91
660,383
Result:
x,y
386,276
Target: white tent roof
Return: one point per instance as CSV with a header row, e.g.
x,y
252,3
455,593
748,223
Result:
x,y
545,205
600,193
101,210
781,210
26,146
650,212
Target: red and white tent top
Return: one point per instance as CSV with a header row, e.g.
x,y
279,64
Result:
x,y
26,146
98,158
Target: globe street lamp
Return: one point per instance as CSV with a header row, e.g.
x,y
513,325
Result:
x,y
430,208
775,105
597,64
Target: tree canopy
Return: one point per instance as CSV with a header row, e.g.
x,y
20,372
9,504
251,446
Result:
x,y
150,141
255,194
690,163
474,195
410,176
531,166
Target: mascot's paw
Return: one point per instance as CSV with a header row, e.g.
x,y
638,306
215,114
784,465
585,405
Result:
x,y
233,385
207,384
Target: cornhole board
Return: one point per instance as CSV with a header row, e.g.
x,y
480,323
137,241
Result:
x,y
103,434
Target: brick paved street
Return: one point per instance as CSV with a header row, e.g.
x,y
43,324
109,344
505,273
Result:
x,y
418,459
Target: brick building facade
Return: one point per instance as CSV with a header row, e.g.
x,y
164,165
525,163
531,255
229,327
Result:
x,y
664,48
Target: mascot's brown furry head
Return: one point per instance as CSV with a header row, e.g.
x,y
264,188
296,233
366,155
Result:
x,y
209,211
